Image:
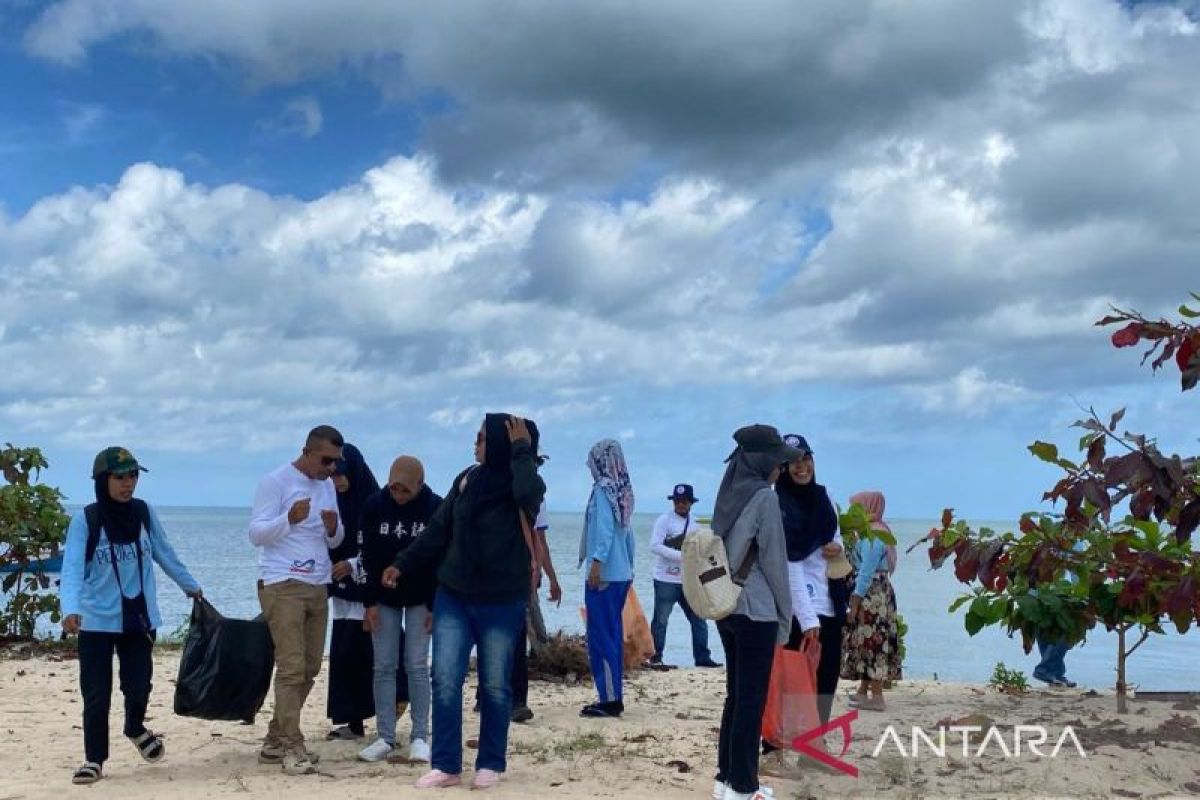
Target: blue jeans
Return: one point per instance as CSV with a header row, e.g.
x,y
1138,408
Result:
x,y
386,641
666,596
1053,664
492,629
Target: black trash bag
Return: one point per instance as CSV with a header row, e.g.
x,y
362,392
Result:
x,y
226,667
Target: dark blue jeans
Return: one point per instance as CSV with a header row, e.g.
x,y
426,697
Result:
x,y
1053,665
666,596
492,629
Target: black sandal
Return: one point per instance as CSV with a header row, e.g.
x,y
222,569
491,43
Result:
x,y
150,746
90,772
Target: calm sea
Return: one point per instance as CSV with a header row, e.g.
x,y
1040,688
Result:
x,y
213,544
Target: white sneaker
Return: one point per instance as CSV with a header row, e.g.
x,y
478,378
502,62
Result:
x,y
376,751
718,791
763,793
419,752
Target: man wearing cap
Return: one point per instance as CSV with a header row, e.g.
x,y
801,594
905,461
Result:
x,y
294,524
666,542
109,598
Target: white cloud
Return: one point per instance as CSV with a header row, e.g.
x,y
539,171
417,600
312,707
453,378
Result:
x,y
301,116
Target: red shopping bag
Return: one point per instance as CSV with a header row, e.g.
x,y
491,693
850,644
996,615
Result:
x,y
792,695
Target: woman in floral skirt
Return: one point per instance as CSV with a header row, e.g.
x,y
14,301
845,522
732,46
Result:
x,y
870,645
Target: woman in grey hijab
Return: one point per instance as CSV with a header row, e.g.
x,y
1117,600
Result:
x,y
747,517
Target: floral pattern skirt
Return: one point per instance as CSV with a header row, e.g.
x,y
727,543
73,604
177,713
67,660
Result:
x,y
870,647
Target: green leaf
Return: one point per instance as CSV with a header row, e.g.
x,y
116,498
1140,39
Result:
x,y
1187,312
974,624
959,602
1045,451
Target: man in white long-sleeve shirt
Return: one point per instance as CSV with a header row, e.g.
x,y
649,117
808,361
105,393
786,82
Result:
x,y
294,524
666,543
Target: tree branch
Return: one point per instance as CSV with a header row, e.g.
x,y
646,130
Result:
x,y
1145,635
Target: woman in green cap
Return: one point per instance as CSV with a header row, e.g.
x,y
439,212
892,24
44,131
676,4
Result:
x,y
108,598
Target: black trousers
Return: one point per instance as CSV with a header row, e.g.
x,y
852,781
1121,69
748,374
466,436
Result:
x,y
351,671
749,653
95,682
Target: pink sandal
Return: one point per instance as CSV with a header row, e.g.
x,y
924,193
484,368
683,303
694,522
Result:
x,y
436,779
485,779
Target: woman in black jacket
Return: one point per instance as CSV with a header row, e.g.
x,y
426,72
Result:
x,y
479,541
398,618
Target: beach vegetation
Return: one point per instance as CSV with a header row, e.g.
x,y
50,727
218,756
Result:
x,y
1008,681
1118,549
33,526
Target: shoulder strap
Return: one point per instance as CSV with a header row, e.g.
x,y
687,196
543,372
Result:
x,y
743,572
92,514
531,546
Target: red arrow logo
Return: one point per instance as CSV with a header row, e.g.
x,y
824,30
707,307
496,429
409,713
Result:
x,y
801,743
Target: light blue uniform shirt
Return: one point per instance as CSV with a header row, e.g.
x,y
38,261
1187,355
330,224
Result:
x,y
608,542
872,556
91,590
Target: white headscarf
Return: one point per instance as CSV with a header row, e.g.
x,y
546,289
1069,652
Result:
x,y
607,463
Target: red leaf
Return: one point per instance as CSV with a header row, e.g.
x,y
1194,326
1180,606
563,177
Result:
x,y
1095,454
1183,356
1142,504
1116,417
966,564
1127,336
1135,588
1189,519
1027,524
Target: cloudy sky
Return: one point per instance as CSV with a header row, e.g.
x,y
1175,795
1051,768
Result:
x,y
887,226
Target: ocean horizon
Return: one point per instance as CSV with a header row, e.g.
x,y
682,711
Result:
x,y
212,542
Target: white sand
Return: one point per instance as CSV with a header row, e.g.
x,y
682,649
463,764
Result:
x,y
671,717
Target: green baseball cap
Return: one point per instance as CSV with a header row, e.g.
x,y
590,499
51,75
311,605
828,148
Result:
x,y
115,461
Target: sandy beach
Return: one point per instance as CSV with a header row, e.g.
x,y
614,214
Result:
x,y
664,746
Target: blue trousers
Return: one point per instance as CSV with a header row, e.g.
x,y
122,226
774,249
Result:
x,y
666,597
606,637
1053,664
492,629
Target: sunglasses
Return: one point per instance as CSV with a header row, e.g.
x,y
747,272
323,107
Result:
x,y
126,476
399,488
329,461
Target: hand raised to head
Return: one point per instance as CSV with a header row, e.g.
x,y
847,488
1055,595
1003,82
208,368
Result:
x,y
517,429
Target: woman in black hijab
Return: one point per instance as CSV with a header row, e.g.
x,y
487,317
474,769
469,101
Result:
x,y
109,597
351,657
482,551
810,525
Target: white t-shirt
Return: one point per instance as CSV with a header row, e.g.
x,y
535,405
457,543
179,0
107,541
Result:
x,y
668,561
293,552
810,588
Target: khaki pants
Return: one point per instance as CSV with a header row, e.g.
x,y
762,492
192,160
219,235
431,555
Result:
x,y
296,612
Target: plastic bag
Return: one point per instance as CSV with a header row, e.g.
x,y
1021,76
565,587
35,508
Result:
x,y
639,644
792,695
226,667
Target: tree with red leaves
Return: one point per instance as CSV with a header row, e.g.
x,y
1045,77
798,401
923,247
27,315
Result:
x,y
1062,573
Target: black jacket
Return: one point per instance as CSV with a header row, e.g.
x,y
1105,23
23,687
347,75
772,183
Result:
x,y
481,557
389,528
